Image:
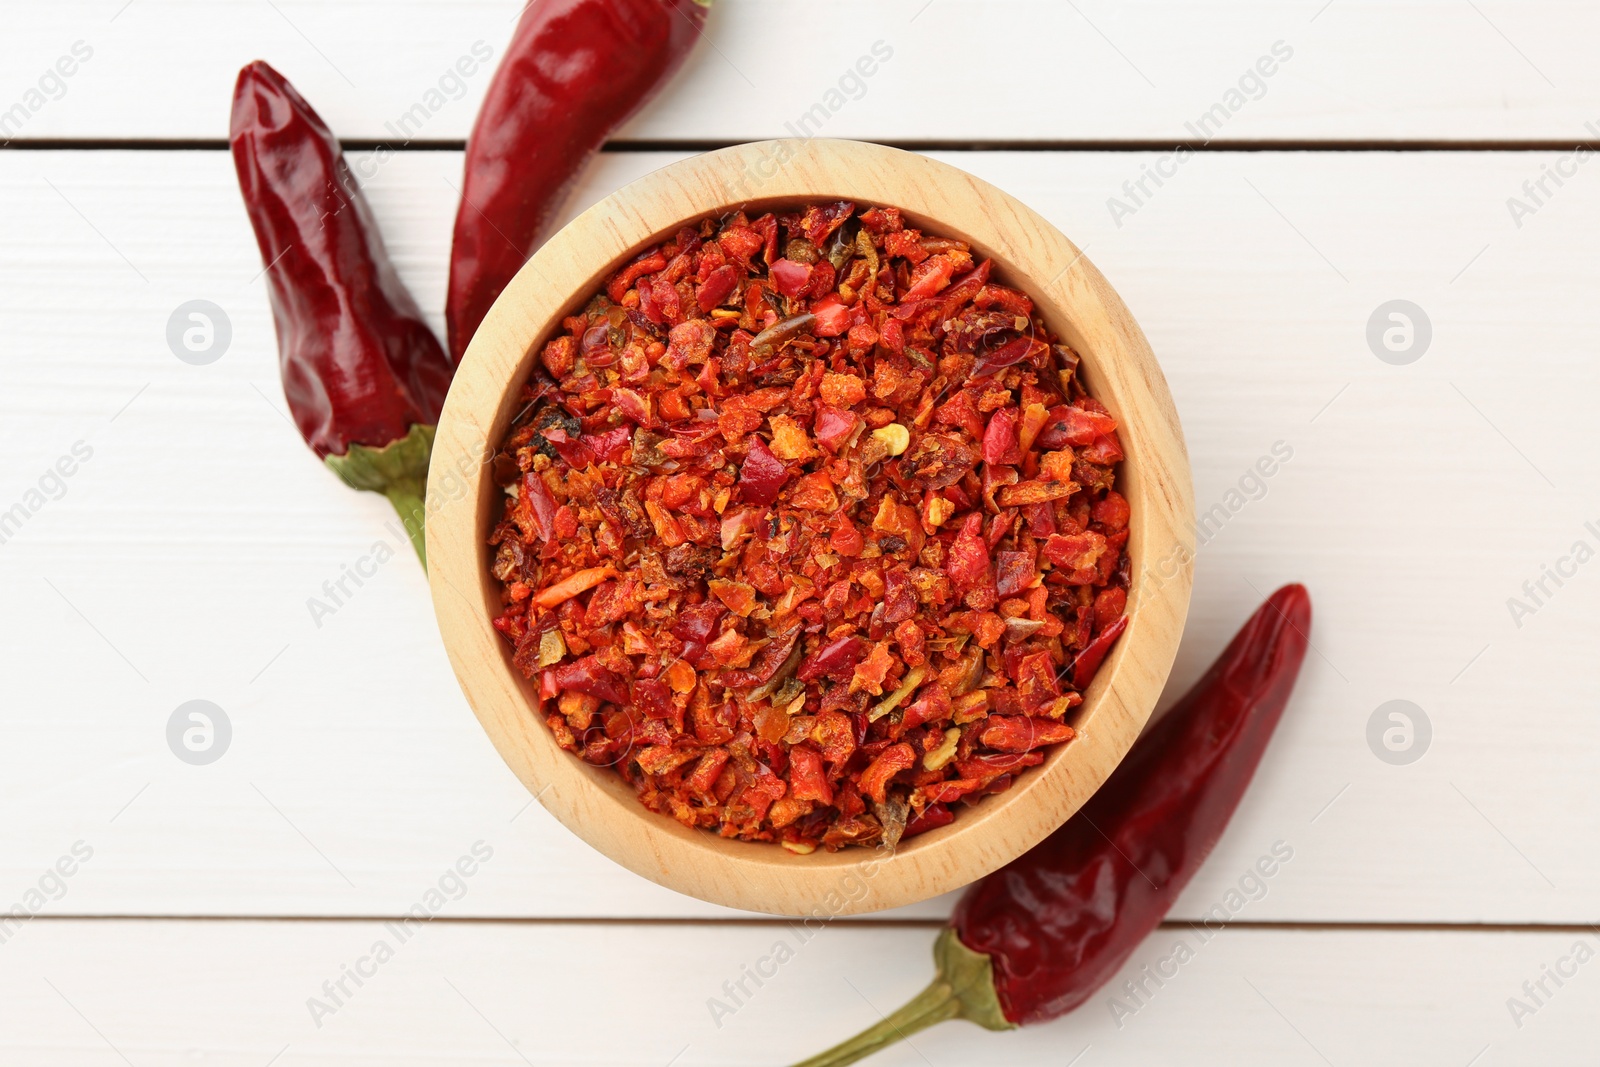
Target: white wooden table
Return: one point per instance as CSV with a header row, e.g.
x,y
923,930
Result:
x,y
208,904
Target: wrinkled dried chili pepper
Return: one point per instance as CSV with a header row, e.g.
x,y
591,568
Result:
x,y
363,374
575,70
777,551
1036,938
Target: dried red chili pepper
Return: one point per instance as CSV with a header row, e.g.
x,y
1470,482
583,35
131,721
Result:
x,y
1088,661
574,71
831,545
362,372
1036,938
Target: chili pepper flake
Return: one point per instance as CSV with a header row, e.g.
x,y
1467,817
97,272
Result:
x,y
811,531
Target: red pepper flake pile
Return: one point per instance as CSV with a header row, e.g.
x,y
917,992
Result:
x,y
812,531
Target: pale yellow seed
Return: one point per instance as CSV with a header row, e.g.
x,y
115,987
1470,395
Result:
x,y
946,751
894,437
1059,707
552,649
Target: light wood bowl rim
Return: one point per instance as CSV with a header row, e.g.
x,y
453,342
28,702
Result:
x,y
1120,370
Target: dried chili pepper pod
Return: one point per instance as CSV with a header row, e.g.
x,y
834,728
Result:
x,y
1036,938
364,376
575,70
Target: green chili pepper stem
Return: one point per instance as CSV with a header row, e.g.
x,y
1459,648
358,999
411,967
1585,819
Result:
x,y
410,504
398,470
933,1005
962,988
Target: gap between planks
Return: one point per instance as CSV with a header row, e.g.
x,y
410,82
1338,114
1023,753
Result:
x,y
930,924
1150,145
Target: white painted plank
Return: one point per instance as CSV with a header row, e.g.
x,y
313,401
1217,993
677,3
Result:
x,y
966,70
1413,506
238,994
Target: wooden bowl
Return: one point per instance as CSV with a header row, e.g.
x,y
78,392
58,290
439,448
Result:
x,y
1118,368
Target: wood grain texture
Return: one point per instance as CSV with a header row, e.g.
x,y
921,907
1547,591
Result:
x,y
465,502
1040,70
1413,507
235,994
